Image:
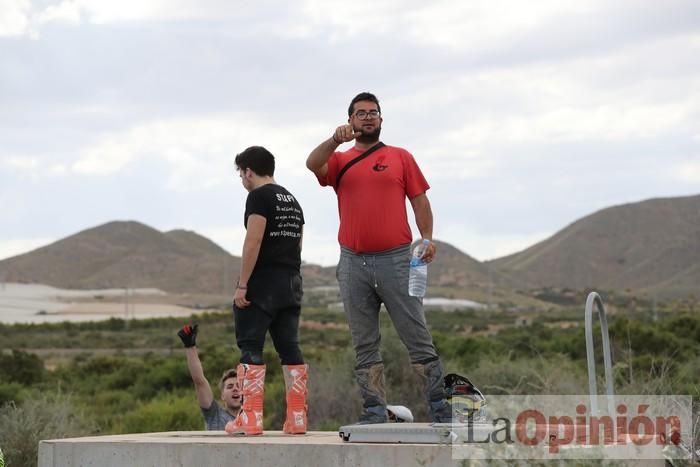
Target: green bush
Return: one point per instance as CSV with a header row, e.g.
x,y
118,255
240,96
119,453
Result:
x,y
333,398
469,351
555,374
652,340
275,411
685,326
21,367
215,360
168,412
125,375
108,408
10,392
162,375
42,417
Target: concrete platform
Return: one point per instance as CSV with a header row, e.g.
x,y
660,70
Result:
x,y
207,448
274,448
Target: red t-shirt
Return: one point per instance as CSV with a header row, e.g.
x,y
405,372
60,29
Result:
x,y
372,197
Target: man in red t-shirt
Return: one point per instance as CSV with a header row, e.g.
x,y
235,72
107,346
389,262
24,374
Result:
x,y
375,241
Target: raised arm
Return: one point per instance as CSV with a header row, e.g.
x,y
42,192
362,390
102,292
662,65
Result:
x,y
317,162
188,335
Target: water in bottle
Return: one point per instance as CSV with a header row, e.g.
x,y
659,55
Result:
x,y
418,271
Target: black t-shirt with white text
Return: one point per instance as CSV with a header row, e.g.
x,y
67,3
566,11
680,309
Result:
x,y
281,243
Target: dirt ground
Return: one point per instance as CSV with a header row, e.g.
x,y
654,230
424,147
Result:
x,y
36,303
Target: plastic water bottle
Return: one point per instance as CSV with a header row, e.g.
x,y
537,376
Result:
x,y
418,271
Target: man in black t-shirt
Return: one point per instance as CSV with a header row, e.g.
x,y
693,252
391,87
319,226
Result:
x,y
268,294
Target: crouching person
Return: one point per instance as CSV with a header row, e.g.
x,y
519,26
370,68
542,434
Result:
x,y
268,294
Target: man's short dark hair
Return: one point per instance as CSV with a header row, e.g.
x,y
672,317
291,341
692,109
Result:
x,y
230,373
258,159
363,96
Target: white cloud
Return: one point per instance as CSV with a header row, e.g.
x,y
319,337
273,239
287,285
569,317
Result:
x,y
455,162
481,23
58,170
199,151
34,168
106,157
574,100
14,17
67,11
688,172
20,18
614,121
23,163
106,11
442,23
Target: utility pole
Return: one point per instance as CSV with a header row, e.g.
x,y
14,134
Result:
x,y
490,287
126,308
225,289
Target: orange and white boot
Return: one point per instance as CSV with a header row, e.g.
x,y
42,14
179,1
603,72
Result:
x,y
295,377
249,421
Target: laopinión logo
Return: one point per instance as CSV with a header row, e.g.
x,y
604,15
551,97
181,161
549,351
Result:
x,y
567,427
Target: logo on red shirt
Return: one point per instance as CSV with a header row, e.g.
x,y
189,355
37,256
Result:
x,y
379,166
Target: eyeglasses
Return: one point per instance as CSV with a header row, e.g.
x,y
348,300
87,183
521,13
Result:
x,y
364,115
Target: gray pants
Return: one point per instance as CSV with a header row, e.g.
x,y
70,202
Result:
x,y
368,280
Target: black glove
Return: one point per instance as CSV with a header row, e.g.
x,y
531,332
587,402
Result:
x,y
188,335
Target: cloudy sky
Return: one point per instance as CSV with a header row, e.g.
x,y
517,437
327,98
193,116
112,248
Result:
x,y
524,116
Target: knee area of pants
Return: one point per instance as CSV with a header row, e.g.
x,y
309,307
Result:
x,y
367,359
252,357
367,366
431,362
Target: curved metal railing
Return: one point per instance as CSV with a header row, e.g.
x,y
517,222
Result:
x,y
594,299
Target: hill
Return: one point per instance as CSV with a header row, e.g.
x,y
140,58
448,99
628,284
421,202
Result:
x,y
651,246
128,254
454,268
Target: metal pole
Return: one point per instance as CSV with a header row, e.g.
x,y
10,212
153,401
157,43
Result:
x,y
126,308
594,299
490,287
225,290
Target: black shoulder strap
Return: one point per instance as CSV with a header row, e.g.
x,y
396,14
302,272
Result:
x,y
369,151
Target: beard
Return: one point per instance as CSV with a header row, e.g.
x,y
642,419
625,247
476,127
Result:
x,y
368,136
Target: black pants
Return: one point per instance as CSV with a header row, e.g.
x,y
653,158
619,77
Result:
x,y
275,297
